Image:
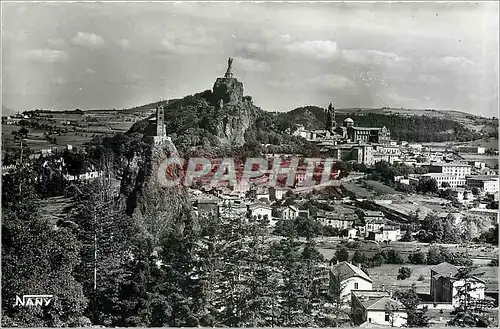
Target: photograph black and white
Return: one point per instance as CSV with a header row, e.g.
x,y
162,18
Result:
x,y
244,164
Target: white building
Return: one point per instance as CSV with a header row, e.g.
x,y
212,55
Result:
x,y
451,179
260,210
488,184
371,308
455,169
445,286
349,277
290,213
386,233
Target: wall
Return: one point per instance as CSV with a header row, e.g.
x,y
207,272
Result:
x,y
378,317
349,285
477,291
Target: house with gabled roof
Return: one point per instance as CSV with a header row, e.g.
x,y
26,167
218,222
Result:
x,y
445,285
377,308
347,277
290,213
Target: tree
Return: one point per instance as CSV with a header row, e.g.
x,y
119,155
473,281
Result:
x,y
438,254
392,256
336,298
417,258
342,254
471,311
404,273
445,184
427,185
358,257
408,236
409,298
37,258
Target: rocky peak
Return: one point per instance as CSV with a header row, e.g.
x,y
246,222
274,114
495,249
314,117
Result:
x,y
229,90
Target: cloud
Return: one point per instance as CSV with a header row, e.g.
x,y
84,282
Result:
x,y
124,43
88,70
449,62
251,65
428,78
46,55
323,82
330,81
322,49
363,56
59,81
85,39
56,42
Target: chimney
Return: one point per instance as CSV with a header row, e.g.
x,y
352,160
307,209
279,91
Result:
x,y
383,287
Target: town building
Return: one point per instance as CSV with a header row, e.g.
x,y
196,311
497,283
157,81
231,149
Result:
x,y
370,308
487,184
386,233
452,180
456,169
290,213
208,207
259,211
471,149
445,286
337,220
349,277
159,134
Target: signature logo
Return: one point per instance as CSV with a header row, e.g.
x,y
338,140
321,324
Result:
x,y
33,300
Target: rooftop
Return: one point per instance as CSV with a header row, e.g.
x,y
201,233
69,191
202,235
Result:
x,y
346,270
448,164
445,269
483,177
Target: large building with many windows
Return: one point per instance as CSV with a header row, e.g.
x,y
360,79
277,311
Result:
x,y
452,168
452,180
488,184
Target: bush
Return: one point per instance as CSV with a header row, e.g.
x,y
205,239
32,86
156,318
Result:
x,y
404,273
342,254
417,258
392,257
421,277
358,257
439,254
375,261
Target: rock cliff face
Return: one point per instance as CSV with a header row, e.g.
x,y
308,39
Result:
x,y
236,113
159,209
229,90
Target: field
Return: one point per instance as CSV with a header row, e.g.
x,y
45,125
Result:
x,y
490,161
485,142
387,275
358,190
380,188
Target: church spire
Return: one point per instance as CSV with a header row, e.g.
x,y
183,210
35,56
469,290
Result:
x,y
330,123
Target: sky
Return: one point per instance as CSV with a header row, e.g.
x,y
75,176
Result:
x,y
120,55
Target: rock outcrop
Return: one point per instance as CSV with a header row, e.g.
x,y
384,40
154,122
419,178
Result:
x,y
159,209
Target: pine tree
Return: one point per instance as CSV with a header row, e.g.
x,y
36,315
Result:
x,y
37,258
471,311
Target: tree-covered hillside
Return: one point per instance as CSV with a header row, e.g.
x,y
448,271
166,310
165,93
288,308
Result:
x,y
410,128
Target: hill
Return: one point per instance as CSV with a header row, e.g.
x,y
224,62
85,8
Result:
x,y
403,124
223,118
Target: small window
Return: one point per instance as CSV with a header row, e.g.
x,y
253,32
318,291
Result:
x,y
356,285
387,316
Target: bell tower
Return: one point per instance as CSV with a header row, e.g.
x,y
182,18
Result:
x,y
330,123
160,121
